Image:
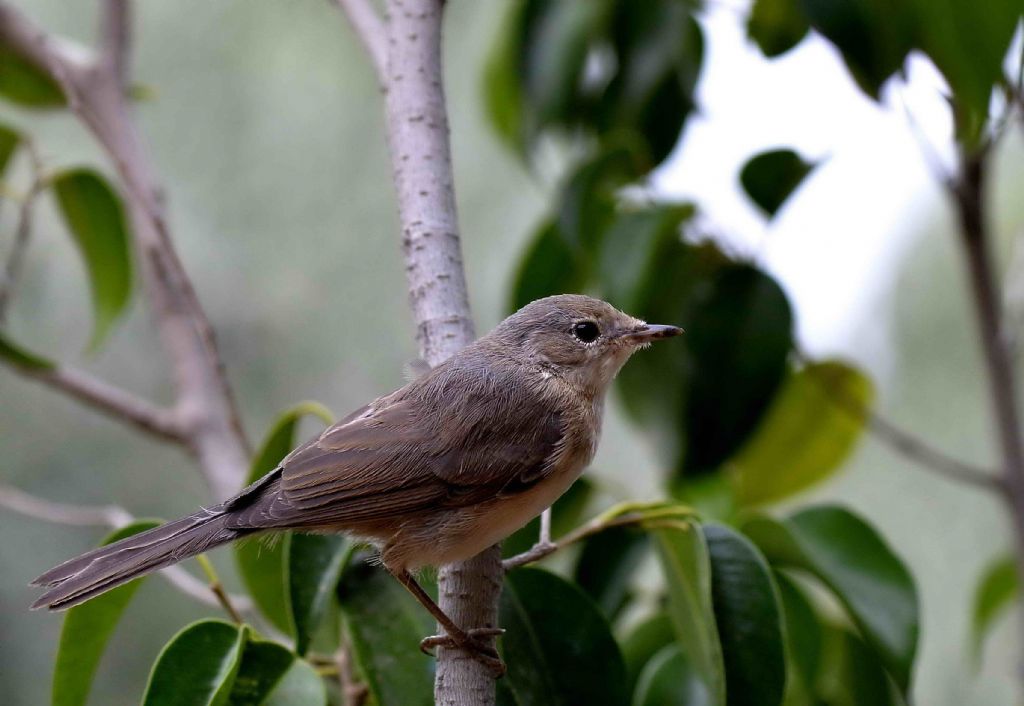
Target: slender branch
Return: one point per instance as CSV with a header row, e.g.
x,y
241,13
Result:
x,y
114,517
218,589
353,691
22,233
95,90
111,401
370,29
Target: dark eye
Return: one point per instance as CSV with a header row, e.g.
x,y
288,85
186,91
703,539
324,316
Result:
x,y
586,331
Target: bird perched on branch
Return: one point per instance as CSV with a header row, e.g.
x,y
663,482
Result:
x,y
431,474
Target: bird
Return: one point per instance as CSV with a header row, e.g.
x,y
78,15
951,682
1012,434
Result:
x,y
433,473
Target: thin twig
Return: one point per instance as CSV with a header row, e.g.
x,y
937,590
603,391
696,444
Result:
x,y
353,691
22,232
371,31
218,589
115,517
115,37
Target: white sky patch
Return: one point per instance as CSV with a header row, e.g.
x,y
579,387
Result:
x,y
836,243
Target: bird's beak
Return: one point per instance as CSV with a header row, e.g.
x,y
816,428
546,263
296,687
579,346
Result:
x,y
650,332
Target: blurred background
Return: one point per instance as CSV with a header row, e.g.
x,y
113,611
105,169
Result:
x,y
265,124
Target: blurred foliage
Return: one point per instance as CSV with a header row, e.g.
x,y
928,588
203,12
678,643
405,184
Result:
x,y
739,421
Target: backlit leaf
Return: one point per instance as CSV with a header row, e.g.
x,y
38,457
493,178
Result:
x,y
997,591
769,178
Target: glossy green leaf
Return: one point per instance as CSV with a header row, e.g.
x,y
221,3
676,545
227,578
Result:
x,y
997,591
747,616
769,178
776,25
198,666
94,215
643,642
566,514
87,629
9,140
669,680
24,84
385,625
555,637
314,564
659,51
261,561
852,674
300,686
606,564
804,640
263,665
872,37
14,354
855,563
686,563
740,336
810,429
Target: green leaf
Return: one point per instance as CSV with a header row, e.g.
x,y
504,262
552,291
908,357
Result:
x,y
740,336
687,566
769,178
643,642
271,675
852,673
314,564
547,268
502,87
93,214
776,25
555,637
24,84
385,625
659,50
198,666
812,426
669,680
997,591
804,640
9,140
87,629
854,562
261,561
747,616
566,514
606,564
16,355
300,686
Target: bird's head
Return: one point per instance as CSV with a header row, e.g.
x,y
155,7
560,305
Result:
x,y
584,340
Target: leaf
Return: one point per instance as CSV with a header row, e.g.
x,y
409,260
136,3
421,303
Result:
x,y
502,87
555,636
93,214
669,680
740,336
547,268
314,564
87,629
687,566
606,564
853,674
385,625
198,666
997,591
22,83
804,638
769,178
567,513
300,686
9,141
853,561
263,665
643,642
260,561
747,616
659,50
810,429
16,355
776,25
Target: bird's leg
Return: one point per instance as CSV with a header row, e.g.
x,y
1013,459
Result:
x,y
468,640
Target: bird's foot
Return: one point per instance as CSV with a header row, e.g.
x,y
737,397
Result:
x,y
472,641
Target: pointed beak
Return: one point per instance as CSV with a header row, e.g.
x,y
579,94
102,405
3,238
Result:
x,y
650,332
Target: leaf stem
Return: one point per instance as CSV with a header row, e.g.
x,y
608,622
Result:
x,y
218,588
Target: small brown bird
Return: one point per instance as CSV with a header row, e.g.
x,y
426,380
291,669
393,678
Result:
x,y
433,473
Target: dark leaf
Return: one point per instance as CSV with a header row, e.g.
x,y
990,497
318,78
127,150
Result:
x,y
771,177
96,219
314,564
548,267
385,625
997,591
263,666
24,84
669,680
852,673
854,562
16,355
643,642
747,616
87,629
803,638
9,140
299,686
555,637
198,666
606,565
776,25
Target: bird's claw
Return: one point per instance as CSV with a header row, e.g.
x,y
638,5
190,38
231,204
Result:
x,y
471,642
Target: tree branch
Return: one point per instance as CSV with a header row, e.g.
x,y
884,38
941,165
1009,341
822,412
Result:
x,y
114,517
371,31
95,90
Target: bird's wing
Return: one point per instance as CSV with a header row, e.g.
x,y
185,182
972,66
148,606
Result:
x,y
396,456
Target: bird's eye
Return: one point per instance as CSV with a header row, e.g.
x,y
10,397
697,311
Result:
x,y
586,331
